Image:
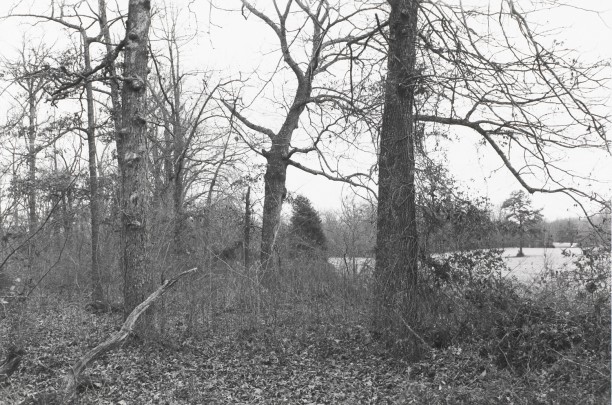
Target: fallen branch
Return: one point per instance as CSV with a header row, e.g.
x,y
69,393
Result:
x,y
71,380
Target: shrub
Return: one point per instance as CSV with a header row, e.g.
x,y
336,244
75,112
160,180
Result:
x,y
518,328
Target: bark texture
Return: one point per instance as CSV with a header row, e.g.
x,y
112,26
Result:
x,y
274,195
396,246
131,141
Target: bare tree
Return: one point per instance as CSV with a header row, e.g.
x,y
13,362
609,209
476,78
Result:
x,y
324,32
30,74
66,83
182,124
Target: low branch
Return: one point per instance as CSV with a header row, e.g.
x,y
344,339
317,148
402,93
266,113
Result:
x,y
245,121
342,179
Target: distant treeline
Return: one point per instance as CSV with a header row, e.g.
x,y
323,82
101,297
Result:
x,y
461,224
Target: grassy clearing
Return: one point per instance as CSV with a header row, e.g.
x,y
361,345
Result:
x,y
531,265
496,344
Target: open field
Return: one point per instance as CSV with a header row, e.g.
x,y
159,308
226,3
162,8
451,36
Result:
x,y
525,269
530,266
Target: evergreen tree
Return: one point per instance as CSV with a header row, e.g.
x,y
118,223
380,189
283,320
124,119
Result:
x,y
306,226
521,215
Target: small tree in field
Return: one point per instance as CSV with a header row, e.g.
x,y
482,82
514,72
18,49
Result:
x,y
519,212
306,227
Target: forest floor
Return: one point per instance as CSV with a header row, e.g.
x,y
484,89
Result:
x,y
290,361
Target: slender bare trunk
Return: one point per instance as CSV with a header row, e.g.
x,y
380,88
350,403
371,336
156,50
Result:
x,y
178,189
178,153
15,195
247,229
521,240
397,246
113,82
179,217
96,277
32,217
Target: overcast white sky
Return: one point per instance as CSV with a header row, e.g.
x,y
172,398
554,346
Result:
x,y
478,168
229,43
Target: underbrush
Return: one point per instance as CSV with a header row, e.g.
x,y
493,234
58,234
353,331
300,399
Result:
x,y
221,338
551,339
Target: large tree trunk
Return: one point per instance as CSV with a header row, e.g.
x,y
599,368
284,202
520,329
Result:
x,y
274,186
275,192
131,139
97,294
397,246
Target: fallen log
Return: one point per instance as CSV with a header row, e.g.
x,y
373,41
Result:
x,y
71,381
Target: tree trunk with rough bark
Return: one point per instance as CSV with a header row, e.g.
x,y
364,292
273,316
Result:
x,y
274,195
131,139
396,246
